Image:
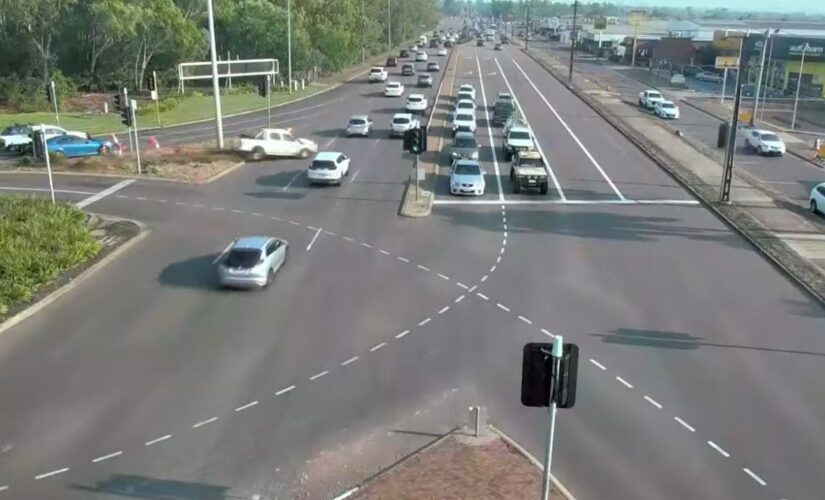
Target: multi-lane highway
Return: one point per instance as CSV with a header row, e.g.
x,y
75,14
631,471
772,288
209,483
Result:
x,y
701,367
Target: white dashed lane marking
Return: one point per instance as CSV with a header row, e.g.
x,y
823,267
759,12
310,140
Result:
x,y
350,360
425,322
482,296
403,259
653,402
755,477
285,390
459,299
157,440
547,333
719,449
205,422
444,309
624,382
246,406
447,278
462,285
52,473
601,366
522,318
502,307
684,424
402,334
107,457
378,346
318,375
423,268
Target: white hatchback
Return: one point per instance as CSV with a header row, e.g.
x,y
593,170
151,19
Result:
x,y
328,168
393,89
416,103
421,56
468,89
817,200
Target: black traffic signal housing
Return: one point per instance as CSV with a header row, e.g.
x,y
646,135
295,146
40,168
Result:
x,y
49,92
422,140
118,100
151,83
537,375
408,140
126,115
262,88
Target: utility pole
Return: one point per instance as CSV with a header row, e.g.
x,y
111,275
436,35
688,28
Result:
x,y
216,88
289,42
527,25
551,410
727,166
363,33
768,77
759,79
389,27
799,84
573,38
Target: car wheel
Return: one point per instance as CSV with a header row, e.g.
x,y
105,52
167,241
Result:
x,y
270,277
640,103
258,153
103,151
814,208
58,155
304,153
512,174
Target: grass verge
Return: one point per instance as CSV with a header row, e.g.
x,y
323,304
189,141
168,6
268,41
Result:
x,y
38,241
190,109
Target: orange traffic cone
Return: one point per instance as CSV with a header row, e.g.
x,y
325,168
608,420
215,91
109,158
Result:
x,y
153,142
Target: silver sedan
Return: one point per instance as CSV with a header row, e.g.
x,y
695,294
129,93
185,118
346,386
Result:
x,y
251,261
359,125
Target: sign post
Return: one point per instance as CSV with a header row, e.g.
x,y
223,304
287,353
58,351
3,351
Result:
x,y
798,85
48,161
132,110
551,426
269,101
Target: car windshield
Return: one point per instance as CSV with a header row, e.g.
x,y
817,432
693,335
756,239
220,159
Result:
x,y
530,162
322,165
402,120
519,135
357,121
243,257
466,105
668,105
464,118
770,137
467,169
654,95
465,142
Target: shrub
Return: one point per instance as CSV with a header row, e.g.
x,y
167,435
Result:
x,y
38,241
28,95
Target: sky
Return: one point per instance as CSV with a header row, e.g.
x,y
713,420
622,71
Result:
x,y
808,6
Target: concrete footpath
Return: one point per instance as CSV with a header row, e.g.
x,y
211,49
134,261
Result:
x,y
790,237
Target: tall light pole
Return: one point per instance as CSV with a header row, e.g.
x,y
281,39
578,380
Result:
x,y
761,71
289,42
389,27
769,77
799,84
573,38
216,89
363,33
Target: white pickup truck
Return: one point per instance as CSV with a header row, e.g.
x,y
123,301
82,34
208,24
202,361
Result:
x,y
277,142
649,98
17,137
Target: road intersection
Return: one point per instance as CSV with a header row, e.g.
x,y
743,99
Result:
x,y
146,374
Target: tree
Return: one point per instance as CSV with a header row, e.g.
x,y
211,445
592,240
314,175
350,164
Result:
x,y
39,20
107,22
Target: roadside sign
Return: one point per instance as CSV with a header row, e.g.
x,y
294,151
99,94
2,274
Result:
x,y
727,40
727,62
600,23
636,18
745,116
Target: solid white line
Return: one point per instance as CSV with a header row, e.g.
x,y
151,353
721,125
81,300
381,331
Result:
x,y
352,179
569,131
318,232
484,278
285,390
292,180
547,333
502,307
247,405
350,360
384,252
376,347
52,473
755,477
205,422
547,165
525,320
402,334
462,285
220,256
107,457
424,322
423,268
684,424
346,494
275,217
444,309
437,96
403,259
459,299
719,449
490,132
447,278
482,296
597,364
319,375
366,245
653,402
624,382
106,192
157,440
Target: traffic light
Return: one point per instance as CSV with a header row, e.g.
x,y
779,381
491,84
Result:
x,y
49,87
151,83
126,116
408,134
118,99
422,140
262,88
538,375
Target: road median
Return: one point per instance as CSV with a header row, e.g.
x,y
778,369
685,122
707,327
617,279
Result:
x,y
780,233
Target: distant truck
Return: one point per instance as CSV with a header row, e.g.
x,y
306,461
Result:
x,y
528,171
277,142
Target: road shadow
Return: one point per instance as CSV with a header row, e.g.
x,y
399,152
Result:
x,y
278,179
195,272
808,308
131,486
390,110
330,132
676,340
277,195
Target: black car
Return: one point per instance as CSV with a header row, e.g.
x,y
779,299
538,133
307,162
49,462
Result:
x,y
425,80
408,70
392,61
479,43
404,53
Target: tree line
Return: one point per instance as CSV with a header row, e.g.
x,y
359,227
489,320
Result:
x,y
99,45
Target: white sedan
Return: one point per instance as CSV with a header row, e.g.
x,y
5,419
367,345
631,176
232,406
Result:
x,y
416,103
328,168
817,199
666,109
393,89
467,177
467,88
421,56
442,51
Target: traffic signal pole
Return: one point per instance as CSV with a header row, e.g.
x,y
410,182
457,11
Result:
x,y
551,411
132,111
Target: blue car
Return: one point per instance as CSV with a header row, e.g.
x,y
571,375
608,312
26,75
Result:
x,y
70,146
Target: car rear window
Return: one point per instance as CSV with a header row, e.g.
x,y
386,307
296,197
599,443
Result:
x,y
464,118
530,162
518,135
466,142
654,95
467,169
243,257
322,165
466,105
770,137
357,121
413,98
668,105
403,120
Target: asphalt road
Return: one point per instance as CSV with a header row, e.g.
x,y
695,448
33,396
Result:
x,y
788,174
701,364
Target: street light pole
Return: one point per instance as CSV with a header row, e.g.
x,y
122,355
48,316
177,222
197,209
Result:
x,y
769,77
289,42
216,89
798,85
572,38
389,27
759,79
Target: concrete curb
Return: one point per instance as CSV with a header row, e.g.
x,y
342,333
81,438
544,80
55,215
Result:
x,y
136,177
760,237
564,491
85,274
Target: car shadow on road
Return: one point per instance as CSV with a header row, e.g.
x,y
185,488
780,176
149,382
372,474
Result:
x,y
330,132
278,195
677,340
278,179
125,485
194,272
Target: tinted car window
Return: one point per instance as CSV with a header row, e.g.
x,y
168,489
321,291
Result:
x,y
357,121
243,257
821,190
519,135
322,165
467,169
465,142
770,137
401,121
464,118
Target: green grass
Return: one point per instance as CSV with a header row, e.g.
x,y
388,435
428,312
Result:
x,y
38,241
190,109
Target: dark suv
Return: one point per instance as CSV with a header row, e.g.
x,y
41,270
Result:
x,y
404,53
392,61
408,70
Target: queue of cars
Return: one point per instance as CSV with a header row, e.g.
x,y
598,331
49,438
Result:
x,y
61,143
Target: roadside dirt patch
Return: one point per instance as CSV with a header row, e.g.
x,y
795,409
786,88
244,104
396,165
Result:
x,y
455,469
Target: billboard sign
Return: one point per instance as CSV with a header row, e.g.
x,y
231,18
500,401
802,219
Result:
x,y
600,23
728,62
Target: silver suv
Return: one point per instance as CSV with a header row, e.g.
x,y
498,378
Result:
x,y
251,261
